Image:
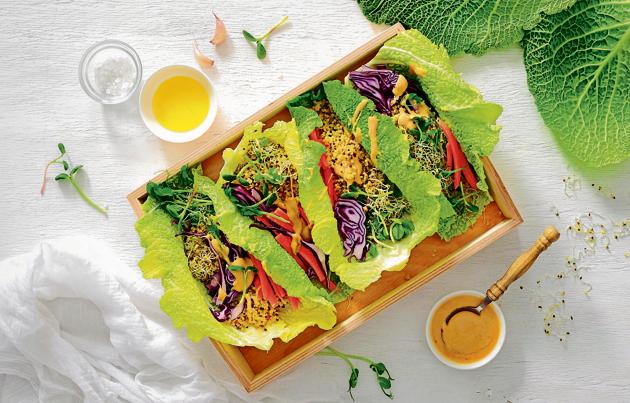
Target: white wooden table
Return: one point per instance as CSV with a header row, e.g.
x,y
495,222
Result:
x,y
42,104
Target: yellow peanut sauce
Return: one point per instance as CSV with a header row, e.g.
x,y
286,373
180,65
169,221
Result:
x,y
372,125
468,337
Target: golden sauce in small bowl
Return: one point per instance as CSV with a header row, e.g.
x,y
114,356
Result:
x,y
468,340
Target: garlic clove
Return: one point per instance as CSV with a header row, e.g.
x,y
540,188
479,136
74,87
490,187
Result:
x,y
220,32
202,60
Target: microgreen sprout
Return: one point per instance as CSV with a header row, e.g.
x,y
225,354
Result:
x,y
383,377
69,175
62,150
261,51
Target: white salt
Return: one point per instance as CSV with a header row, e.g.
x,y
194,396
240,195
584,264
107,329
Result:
x,y
114,76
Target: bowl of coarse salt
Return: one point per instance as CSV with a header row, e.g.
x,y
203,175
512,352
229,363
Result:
x,y
110,72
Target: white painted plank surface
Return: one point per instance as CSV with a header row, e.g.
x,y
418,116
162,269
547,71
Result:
x,y
42,103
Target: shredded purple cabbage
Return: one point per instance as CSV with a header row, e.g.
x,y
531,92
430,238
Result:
x,y
231,306
377,85
247,196
351,226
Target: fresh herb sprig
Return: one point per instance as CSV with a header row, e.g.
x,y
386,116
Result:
x,y
261,51
387,209
178,197
70,176
383,377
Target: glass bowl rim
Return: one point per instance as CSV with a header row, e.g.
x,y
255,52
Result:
x,y
95,49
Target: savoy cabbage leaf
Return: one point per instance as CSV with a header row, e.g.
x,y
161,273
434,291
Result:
x,y
470,26
578,70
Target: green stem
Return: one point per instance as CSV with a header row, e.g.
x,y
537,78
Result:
x,y
85,197
351,356
333,353
278,25
55,161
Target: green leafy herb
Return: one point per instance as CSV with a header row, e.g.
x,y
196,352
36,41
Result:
x,y
383,377
69,175
241,268
178,197
261,51
464,26
577,66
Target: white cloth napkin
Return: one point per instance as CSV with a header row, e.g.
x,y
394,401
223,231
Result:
x,y
76,324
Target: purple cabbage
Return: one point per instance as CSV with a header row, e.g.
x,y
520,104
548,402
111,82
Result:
x,y
377,85
247,196
351,226
232,305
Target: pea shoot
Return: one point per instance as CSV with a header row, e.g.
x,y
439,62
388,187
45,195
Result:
x,y
261,51
69,175
383,377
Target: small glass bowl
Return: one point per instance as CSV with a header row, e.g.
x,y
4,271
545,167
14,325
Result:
x,y
96,57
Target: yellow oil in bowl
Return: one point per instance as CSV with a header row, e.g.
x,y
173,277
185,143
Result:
x,y
180,103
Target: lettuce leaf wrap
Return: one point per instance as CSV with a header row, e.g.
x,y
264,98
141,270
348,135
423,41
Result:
x,y
187,298
448,124
419,190
262,177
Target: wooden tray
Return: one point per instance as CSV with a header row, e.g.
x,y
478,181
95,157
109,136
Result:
x,y
254,368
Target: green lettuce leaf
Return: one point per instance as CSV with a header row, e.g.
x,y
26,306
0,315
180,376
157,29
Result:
x,y
185,299
578,70
285,134
464,26
460,105
277,262
420,188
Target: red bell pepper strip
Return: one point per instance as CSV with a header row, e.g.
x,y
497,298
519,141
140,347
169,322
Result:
x,y
470,177
313,262
267,289
285,241
459,158
287,225
295,303
280,292
449,157
305,254
282,214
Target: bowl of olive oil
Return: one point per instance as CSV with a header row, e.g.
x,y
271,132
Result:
x,y
178,103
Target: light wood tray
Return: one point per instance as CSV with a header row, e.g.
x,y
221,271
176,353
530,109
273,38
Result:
x,y
254,368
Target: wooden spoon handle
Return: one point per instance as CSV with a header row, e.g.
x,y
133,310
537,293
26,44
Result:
x,y
523,263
